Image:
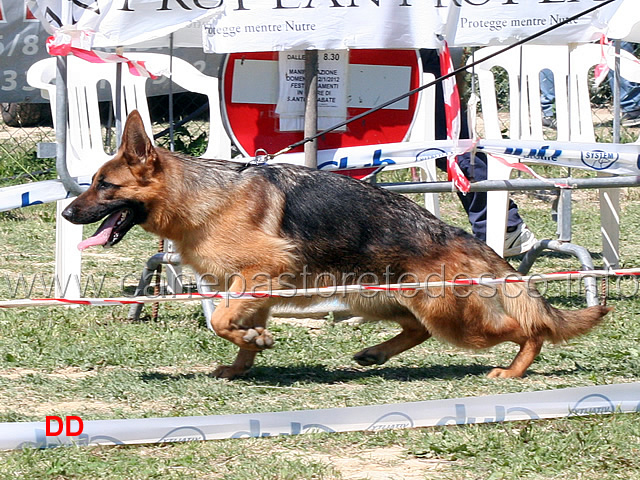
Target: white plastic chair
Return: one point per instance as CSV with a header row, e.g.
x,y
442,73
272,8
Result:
x,y
191,79
570,66
85,146
583,58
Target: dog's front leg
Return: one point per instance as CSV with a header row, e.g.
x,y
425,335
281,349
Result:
x,y
243,323
241,365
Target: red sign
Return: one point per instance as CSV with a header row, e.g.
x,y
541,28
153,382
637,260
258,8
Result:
x,y
254,125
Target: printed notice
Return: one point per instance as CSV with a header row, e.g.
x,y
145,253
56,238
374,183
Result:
x,y
332,89
333,66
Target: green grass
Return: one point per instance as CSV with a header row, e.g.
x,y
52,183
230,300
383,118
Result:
x,y
93,362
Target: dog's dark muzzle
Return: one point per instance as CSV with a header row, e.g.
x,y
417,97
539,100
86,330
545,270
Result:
x,y
119,217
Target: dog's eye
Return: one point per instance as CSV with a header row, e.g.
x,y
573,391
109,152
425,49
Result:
x,y
103,185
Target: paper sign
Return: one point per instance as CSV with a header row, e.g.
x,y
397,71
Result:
x,y
332,89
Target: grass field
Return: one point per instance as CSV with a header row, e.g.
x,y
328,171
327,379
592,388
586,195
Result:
x,y
95,363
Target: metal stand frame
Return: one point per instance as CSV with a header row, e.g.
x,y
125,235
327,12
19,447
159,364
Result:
x,y
174,286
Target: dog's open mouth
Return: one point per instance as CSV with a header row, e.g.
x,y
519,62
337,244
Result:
x,y
111,231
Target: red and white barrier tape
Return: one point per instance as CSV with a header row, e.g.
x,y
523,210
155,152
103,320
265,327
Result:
x,y
602,69
61,44
526,169
453,117
607,59
321,291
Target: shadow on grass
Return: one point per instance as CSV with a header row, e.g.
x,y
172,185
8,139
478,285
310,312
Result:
x,y
289,375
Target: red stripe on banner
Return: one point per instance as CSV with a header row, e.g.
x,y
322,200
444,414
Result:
x,y
65,300
359,173
123,302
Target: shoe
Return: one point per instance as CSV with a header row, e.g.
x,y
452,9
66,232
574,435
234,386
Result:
x,y
548,121
519,241
630,119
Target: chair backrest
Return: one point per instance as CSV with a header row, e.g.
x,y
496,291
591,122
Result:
x,y
86,152
570,65
191,79
583,58
85,143
424,122
523,66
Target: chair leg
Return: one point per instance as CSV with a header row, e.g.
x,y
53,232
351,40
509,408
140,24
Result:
x,y
610,226
207,304
497,207
68,257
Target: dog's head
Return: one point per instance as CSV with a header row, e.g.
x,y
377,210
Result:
x,y
122,189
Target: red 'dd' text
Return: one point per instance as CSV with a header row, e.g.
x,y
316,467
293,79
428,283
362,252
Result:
x,y
71,426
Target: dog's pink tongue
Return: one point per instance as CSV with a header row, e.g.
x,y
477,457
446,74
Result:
x,y
101,237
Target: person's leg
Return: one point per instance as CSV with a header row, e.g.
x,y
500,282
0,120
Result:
x,y
547,93
629,94
475,203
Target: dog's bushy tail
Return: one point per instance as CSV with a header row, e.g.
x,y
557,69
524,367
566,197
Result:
x,y
572,323
537,316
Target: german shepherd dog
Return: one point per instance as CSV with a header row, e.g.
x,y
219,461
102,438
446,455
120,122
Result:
x,y
300,227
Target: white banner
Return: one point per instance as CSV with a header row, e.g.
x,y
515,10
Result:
x,y
267,25
567,402
490,22
612,158
112,23
250,25
335,24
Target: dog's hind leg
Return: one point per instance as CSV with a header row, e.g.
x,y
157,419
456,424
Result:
x,y
413,333
529,350
254,333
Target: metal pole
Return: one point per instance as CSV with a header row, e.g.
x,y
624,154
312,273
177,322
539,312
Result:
x,y
62,117
516,184
62,114
172,145
311,107
616,94
118,99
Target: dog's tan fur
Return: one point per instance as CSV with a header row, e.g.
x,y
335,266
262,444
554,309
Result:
x,y
252,223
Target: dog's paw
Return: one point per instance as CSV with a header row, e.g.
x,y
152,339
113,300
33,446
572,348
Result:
x,y
259,337
503,373
370,356
228,372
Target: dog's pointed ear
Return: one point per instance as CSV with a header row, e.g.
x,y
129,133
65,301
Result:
x,y
136,145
